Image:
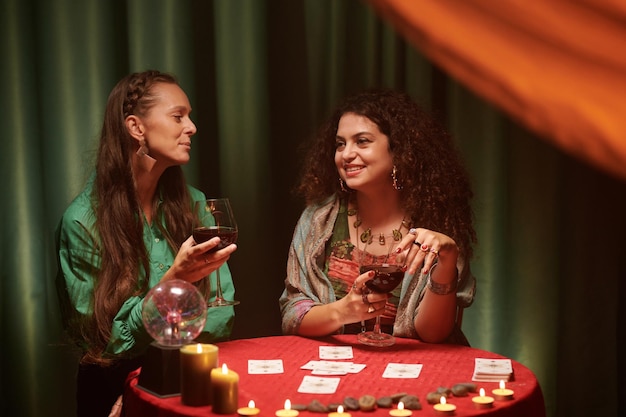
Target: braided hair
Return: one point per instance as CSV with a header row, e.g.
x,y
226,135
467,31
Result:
x,y
124,260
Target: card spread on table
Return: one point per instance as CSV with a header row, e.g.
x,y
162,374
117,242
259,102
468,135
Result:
x,y
310,365
492,369
336,352
318,385
332,367
273,366
355,368
402,370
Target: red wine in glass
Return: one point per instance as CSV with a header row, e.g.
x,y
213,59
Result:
x,y
215,218
387,277
227,235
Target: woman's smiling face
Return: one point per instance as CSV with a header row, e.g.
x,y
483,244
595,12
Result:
x,y
168,127
362,153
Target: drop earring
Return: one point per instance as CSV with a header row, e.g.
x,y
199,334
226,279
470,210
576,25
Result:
x,y
342,185
143,149
146,161
395,183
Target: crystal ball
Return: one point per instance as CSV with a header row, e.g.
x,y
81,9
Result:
x,y
174,312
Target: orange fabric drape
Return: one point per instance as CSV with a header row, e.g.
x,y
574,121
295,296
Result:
x,y
557,67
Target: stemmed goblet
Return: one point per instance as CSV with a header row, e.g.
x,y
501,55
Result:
x,y
388,277
215,218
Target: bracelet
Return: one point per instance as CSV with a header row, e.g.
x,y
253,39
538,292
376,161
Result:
x,y
437,288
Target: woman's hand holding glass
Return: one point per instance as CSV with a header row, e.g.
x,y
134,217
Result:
x,y
361,303
194,262
383,278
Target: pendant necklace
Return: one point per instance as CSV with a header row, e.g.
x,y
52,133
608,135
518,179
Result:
x,y
367,236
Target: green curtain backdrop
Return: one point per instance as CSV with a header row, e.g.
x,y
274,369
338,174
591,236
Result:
x,y
261,76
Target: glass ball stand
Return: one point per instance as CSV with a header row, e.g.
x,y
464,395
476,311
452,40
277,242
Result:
x,y
174,313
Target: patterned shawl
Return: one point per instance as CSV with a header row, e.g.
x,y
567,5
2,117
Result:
x,y
306,284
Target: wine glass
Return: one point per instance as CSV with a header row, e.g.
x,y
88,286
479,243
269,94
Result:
x,y
215,218
388,277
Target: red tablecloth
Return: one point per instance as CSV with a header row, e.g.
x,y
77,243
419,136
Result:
x,y
443,366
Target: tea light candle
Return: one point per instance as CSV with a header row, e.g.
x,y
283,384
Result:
x,y
250,410
287,411
196,363
339,413
400,411
443,407
502,393
225,388
482,401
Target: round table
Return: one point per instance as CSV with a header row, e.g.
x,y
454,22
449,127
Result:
x,y
442,366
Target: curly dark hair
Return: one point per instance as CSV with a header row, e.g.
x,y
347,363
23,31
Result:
x,y
436,191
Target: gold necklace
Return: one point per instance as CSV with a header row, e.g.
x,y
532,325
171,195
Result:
x,y
367,237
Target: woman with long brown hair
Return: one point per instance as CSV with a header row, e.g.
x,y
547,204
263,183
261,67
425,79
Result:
x,y
128,230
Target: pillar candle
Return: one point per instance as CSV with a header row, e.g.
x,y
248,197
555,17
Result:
x,y
196,363
225,388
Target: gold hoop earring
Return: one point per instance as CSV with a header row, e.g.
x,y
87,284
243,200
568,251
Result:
x,y
395,183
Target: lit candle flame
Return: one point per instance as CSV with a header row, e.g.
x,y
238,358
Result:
x,y
501,384
251,404
287,405
340,409
199,348
400,405
482,392
442,400
225,369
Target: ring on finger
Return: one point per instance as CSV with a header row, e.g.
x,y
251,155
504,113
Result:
x,y
371,308
417,243
434,252
413,231
424,248
364,298
206,260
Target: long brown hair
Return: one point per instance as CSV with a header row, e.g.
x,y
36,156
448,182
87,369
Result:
x,y
436,191
125,264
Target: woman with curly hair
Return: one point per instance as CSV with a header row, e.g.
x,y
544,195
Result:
x,y
381,173
128,230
